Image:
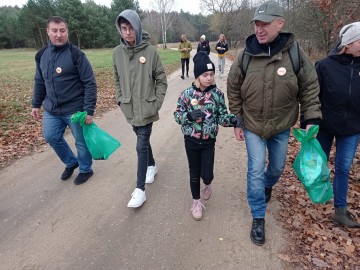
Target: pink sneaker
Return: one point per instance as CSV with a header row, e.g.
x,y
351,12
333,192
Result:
x,y
206,192
196,209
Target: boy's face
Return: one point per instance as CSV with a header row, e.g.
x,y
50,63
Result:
x,y
128,33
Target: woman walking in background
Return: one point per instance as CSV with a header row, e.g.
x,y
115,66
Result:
x,y
339,78
203,45
221,47
184,49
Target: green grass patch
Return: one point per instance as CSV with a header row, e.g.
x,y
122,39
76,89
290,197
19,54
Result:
x,y
17,69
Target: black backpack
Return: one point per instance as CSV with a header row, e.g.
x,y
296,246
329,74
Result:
x,y
75,54
293,53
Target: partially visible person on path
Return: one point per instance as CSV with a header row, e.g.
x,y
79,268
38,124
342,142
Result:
x,y
64,88
184,49
339,77
267,96
200,108
140,85
221,47
203,45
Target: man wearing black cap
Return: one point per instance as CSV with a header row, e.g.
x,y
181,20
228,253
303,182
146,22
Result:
x,y
267,97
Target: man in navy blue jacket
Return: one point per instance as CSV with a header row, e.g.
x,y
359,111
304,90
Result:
x,y
64,86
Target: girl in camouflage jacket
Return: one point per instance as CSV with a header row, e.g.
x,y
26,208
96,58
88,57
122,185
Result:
x,y
200,108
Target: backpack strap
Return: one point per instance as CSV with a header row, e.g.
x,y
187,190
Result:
x,y
295,57
245,61
75,54
293,53
39,54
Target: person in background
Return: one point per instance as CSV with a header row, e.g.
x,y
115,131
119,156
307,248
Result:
x,y
140,86
339,78
184,48
221,47
200,108
203,45
267,97
64,89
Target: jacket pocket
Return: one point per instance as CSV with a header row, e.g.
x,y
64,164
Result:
x,y
150,107
126,107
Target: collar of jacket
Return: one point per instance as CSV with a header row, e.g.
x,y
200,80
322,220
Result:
x,y
207,89
281,42
58,48
345,59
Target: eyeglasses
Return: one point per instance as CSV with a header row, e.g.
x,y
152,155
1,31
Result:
x,y
130,30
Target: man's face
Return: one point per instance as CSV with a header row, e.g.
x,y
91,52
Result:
x,y
58,33
128,33
267,31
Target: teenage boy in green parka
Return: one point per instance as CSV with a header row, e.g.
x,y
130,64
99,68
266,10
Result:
x,y
140,85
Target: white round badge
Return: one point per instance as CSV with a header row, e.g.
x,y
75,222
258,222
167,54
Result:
x,y
142,59
58,70
281,71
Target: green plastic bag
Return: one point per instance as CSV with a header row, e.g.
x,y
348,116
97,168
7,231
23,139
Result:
x,y
311,167
100,144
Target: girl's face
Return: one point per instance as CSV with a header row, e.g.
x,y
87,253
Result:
x,y
206,79
354,48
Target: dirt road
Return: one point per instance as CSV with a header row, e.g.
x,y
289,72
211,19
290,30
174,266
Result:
x,y
47,223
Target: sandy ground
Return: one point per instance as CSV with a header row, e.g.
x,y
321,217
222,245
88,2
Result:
x,y
47,223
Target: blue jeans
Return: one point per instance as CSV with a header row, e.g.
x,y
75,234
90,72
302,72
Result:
x,y
345,152
221,64
144,153
259,176
54,128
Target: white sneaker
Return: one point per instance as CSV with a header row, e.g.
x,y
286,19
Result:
x,y
138,197
150,174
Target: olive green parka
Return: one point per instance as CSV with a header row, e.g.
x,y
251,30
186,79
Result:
x,y
140,79
268,97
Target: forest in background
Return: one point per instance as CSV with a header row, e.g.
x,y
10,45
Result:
x,y
315,23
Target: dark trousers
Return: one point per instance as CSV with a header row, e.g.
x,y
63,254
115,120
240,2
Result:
x,y
144,153
183,62
201,164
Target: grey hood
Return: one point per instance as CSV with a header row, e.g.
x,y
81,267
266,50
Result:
x,y
133,18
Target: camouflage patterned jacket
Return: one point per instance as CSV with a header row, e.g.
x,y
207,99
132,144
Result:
x,y
211,101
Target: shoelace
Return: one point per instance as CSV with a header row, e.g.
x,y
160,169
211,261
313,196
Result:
x,y
197,205
350,216
207,190
259,222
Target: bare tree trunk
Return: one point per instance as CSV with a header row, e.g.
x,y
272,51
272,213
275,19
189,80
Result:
x,y
41,37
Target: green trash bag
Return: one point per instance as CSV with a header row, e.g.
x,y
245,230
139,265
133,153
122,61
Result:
x,y
100,144
311,167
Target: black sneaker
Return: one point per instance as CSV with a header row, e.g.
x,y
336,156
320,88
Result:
x,y
257,233
182,77
82,178
68,172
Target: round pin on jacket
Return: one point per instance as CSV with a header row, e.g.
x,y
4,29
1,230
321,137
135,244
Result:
x,y
281,71
58,70
142,59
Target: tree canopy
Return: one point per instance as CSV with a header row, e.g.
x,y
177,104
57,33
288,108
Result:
x,y
315,23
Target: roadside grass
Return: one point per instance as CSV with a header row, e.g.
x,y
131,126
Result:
x,y
17,69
